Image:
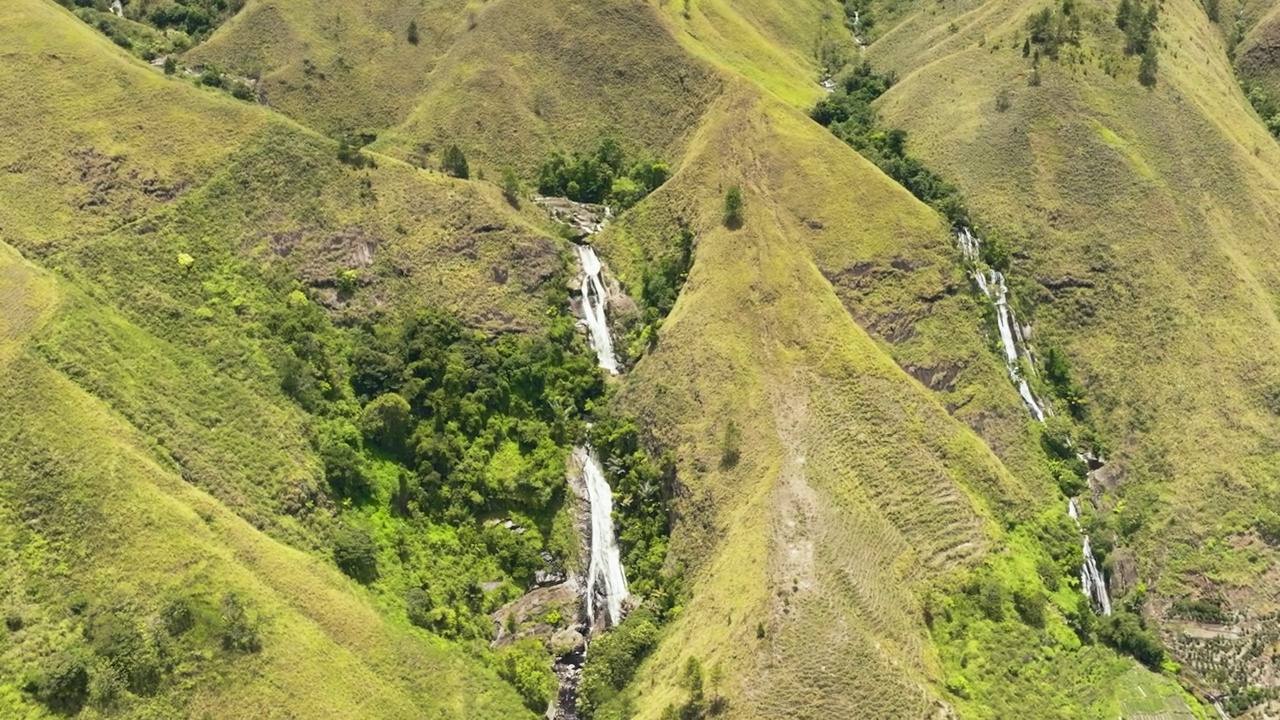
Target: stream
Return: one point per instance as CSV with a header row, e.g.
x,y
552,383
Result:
x,y
605,594
1013,339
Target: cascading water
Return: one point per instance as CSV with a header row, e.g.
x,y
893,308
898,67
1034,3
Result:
x,y
605,577
992,284
1092,582
606,588
594,301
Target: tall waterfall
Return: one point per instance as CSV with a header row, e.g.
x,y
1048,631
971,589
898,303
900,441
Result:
x,y
593,308
604,574
992,284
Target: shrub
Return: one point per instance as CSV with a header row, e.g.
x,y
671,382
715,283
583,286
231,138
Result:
x,y
511,186
1126,632
991,599
239,629
356,554
412,34
733,207
454,163
116,638
349,152
242,91
387,422
170,65
526,666
1202,610
729,445
1148,66
212,77
338,445
419,606
613,660
1030,605
62,684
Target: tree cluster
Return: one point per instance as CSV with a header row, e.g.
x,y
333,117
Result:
x,y
613,661
1049,29
848,114
1137,19
604,176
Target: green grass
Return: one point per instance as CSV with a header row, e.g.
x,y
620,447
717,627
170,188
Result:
x,y
886,460
533,77
100,514
1159,199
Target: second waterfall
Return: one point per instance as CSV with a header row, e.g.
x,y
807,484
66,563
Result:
x,y
594,303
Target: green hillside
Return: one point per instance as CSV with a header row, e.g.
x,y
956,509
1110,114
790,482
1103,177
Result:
x,y
294,377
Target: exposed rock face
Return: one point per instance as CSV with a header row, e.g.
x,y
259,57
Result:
x,y
584,218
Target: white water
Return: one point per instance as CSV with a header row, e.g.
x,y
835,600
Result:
x,y
604,574
593,308
1092,582
992,285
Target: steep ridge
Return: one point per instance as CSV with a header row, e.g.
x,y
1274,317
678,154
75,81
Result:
x,y
1139,215
855,537
345,66
532,77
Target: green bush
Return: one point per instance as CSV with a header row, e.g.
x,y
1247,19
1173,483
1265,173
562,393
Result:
x,y
116,638
62,684
528,668
339,446
613,660
729,445
734,206
1128,633
387,422
511,186
356,554
454,163
1030,605
412,34
239,628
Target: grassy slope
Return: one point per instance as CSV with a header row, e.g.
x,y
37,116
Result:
x,y
96,514
337,66
533,76
855,489
758,337
205,402
1162,200
255,201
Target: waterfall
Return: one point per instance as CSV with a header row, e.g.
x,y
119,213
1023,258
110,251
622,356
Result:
x,y
604,574
992,285
593,308
1092,582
